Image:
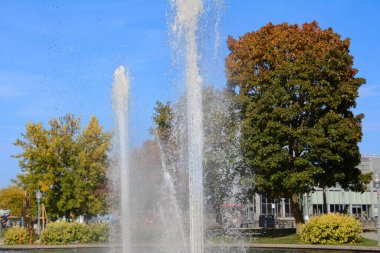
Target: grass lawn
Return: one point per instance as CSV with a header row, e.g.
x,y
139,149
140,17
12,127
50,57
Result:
x,y
289,239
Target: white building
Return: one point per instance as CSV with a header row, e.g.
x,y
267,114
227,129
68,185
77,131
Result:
x,y
362,205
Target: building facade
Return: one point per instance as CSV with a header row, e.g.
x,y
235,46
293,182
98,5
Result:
x,y
363,205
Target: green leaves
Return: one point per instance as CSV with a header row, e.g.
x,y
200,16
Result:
x,y
61,233
222,162
296,87
16,234
68,165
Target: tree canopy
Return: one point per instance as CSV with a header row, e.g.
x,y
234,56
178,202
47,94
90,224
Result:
x,y
66,164
221,145
296,87
12,198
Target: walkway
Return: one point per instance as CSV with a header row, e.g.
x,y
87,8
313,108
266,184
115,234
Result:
x,y
268,246
371,235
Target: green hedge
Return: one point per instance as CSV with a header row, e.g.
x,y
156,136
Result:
x,y
69,233
332,229
13,235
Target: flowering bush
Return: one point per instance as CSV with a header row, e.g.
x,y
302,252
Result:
x,y
332,229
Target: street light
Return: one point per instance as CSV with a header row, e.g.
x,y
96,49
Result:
x,y
38,197
377,187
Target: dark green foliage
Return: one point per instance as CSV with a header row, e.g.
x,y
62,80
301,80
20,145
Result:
x,y
296,87
221,149
163,116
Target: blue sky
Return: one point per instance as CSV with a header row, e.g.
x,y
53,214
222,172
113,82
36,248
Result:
x,y
59,56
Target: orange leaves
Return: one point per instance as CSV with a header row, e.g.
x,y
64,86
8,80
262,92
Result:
x,y
286,48
297,87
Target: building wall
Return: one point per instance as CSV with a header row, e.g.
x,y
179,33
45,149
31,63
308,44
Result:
x,y
359,204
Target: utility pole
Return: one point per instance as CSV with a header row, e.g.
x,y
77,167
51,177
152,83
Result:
x,y
377,187
38,197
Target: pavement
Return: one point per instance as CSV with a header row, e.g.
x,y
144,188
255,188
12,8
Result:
x,y
370,235
232,246
41,246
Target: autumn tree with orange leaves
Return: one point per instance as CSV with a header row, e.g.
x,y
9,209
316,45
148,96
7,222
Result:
x,y
296,87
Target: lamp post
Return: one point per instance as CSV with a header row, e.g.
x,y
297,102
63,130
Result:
x,y
38,197
377,187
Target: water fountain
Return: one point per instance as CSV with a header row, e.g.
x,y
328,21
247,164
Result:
x,y
185,25
174,235
187,21
120,91
180,227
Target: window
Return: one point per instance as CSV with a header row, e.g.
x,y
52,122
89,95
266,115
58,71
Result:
x,y
317,209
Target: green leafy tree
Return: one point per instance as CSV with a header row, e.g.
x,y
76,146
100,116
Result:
x,y
166,137
222,160
163,118
221,146
296,87
68,165
12,198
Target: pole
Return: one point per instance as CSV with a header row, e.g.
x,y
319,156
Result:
x,y
38,217
378,218
38,197
376,184
307,206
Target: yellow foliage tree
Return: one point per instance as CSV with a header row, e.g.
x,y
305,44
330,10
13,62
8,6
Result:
x,y
12,198
67,164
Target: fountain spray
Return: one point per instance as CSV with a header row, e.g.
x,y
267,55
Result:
x,y
120,95
186,21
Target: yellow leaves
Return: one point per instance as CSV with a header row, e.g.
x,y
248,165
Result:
x,y
12,198
16,234
54,158
44,185
332,229
68,233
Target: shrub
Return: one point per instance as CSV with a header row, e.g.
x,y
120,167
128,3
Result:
x,y
69,233
100,232
83,233
332,229
13,235
55,233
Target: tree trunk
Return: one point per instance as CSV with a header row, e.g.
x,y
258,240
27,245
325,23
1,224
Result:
x,y
297,211
325,209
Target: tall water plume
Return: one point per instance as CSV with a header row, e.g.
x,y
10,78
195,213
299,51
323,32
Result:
x,y
186,21
177,232
120,99
166,232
